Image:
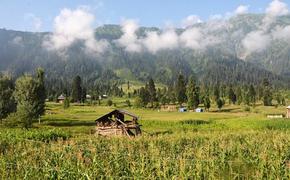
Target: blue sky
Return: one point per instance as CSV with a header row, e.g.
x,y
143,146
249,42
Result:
x,y
33,15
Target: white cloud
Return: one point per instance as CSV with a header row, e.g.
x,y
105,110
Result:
x,y
71,26
281,33
166,40
215,17
34,21
129,39
190,20
259,40
191,38
256,41
277,8
153,41
242,9
18,40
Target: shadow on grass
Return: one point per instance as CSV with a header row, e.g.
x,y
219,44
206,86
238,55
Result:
x,y
160,133
226,110
70,123
194,122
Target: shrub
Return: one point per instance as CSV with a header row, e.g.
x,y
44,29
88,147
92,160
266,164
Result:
x,y
66,103
247,109
109,102
138,102
128,103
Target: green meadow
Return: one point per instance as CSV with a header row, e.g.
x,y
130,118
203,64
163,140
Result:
x,y
236,143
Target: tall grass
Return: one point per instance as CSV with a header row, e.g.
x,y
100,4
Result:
x,y
217,155
227,145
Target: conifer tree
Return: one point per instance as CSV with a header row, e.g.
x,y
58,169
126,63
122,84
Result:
x,y
252,95
232,96
192,94
77,89
206,102
267,93
181,90
152,91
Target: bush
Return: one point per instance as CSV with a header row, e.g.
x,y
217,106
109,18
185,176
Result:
x,y
138,102
66,103
128,103
247,109
109,102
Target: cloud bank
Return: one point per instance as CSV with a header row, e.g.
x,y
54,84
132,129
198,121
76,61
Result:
x,y
77,25
190,20
71,26
167,39
200,37
259,40
242,9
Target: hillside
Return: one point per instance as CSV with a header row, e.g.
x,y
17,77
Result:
x,y
22,52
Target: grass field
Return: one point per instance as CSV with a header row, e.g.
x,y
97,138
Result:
x,y
232,144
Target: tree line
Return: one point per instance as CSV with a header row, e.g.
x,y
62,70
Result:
x,y
190,92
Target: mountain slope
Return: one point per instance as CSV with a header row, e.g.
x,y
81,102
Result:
x,y
22,52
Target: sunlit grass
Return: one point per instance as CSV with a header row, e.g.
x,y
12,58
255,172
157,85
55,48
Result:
x,y
232,144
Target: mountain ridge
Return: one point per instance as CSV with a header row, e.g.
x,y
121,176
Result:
x,y
22,52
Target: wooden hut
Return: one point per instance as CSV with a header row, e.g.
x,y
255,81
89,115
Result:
x,y
288,112
61,99
114,123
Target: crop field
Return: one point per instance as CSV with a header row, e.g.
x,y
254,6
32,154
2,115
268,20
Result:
x,y
232,144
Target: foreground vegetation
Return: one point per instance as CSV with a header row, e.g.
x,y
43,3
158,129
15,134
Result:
x,y
233,144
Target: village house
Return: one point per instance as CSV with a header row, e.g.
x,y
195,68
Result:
x,y
114,123
61,98
88,97
168,108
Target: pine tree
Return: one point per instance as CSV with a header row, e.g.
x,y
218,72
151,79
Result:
x,y
77,89
152,92
192,94
232,96
216,93
84,95
252,95
144,97
181,90
267,92
239,95
41,92
220,104
206,102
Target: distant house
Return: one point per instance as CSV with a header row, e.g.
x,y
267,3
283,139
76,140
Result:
x,y
275,116
182,109
288,112
168,108
104,96
88,97
61,99
199,110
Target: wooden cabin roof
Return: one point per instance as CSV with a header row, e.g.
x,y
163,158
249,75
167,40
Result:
x,y
117,111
